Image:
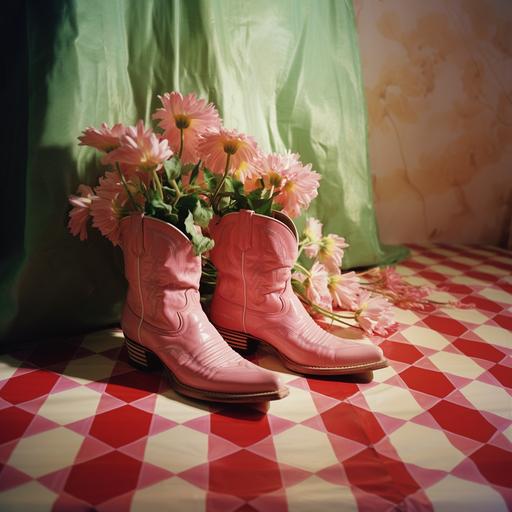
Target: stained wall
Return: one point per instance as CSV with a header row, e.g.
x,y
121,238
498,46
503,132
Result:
x,y
438,83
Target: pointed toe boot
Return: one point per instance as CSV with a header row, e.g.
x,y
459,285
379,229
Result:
x,y
254,301
164,324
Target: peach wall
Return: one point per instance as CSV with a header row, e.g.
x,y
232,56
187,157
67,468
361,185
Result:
x,y
438,83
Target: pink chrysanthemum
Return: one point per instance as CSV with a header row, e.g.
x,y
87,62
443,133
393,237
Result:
x,y
344,290
140,148
313,235
215,147
331,251
374,314
103,138
188,113
299,188
317,287
79,214
112,203
268,172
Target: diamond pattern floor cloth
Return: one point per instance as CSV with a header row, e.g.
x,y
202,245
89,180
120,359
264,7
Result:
x,y
80,429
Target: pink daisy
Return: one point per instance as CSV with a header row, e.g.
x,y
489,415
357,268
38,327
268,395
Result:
x,y
313,234
112,203
215,147
103,138
344,290
79,214
140,148
188,113
300,187
374,314
331,252
317,289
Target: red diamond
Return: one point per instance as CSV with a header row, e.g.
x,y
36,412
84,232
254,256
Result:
x,y
242,427
431,275
14,422
104,477
495,464
504,321
28,386
244,474
481,303
352,422
121,426
332,388
403,352
133,385
503,374
427,381
377,474
478,349
481,275
445,325
462,420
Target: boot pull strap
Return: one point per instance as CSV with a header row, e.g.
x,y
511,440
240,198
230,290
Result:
x,y
245,231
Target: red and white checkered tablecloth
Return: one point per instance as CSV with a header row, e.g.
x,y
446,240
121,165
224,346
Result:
x,y
80,429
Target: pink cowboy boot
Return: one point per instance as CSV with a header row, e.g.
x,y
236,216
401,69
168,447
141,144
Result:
x,y
254,300
164,324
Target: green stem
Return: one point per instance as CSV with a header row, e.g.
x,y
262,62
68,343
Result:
x,y
158,185
302,269
182,140
123,181
177,190
327,313
221,182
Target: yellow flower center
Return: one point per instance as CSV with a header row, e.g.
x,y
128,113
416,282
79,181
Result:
x,y
273,179
327,247
182,121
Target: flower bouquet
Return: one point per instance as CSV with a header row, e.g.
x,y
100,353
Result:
x,y
192,168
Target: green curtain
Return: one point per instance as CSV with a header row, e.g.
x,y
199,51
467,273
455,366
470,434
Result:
x,y
285,71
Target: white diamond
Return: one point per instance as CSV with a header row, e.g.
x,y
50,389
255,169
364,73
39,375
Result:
x,y
425,447
496,295
393,401
177,449
71,405
489,398
31,496
425,337
304,448
44,453
457,364
185,496
89,369
452,493
495,335
298,406
472,315
316,494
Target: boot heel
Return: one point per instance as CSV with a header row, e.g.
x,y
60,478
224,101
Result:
x,y
239,341
139,357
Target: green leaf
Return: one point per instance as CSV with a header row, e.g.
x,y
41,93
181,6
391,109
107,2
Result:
x,y
200,242
172,168
195,172
202,214
210,179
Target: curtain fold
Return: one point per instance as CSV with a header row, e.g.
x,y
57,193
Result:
x,y
286,72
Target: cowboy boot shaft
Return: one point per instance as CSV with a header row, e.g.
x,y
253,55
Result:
x,y
161,269
253,263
